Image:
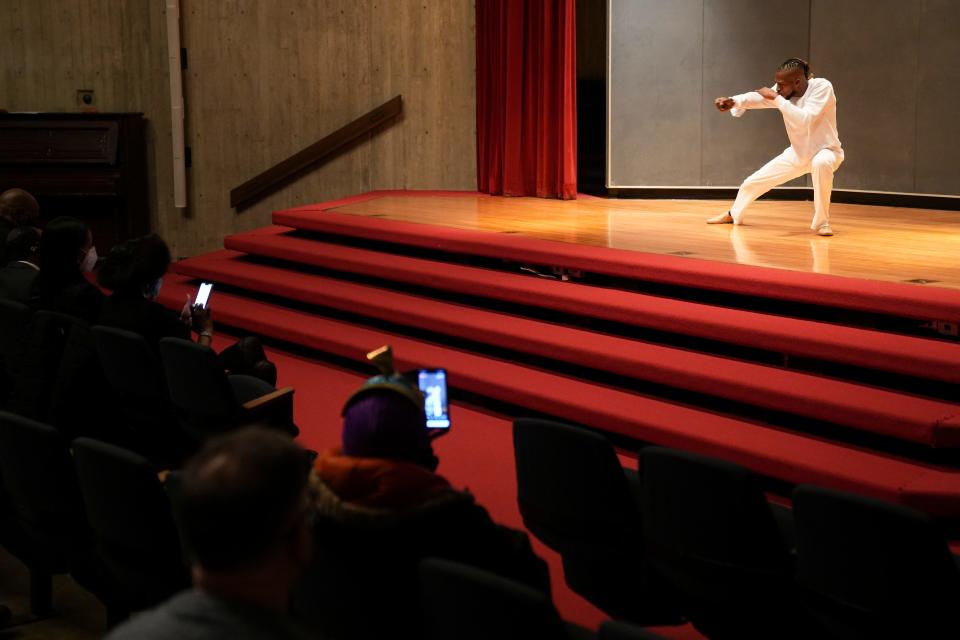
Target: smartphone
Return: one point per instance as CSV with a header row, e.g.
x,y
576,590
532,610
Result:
x,y
203,295
433,386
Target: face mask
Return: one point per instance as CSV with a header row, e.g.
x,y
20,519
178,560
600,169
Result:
x,y
153,290
90,260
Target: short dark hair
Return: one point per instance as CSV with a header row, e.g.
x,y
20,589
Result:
x,y
134,264
239,496
22,242
796,63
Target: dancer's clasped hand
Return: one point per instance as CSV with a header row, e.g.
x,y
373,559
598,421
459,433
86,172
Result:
x,y
724,104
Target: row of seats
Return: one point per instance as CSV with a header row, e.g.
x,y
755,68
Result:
x,y
689,529
692,537
102,514
89,415
91,509
110,383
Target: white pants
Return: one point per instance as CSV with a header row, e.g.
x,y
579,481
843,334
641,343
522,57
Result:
x,y
788,166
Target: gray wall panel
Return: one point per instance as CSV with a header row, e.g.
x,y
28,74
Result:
x,y
743,43
894,65
868,50
655,85
938,98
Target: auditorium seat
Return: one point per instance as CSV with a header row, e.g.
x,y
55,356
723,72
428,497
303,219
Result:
x,y
15,322
871,569
214,401
140,399
133,523
77,398
709,529
51,330
461,602
575,496
47,528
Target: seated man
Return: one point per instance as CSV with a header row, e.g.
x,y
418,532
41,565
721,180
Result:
x,y
17,278
381,508
244,512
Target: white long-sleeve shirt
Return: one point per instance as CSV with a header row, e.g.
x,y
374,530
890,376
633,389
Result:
x,y
811,119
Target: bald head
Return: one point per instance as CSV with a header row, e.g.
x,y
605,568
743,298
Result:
x,y
19,207
239,495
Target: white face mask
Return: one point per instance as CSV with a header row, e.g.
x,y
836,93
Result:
x,y
89,260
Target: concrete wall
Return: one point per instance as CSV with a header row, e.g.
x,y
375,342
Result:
x,y
265,79
52,48
893,65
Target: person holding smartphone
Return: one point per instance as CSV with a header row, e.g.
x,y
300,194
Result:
x,y
809,109
382,507
134,272
196,314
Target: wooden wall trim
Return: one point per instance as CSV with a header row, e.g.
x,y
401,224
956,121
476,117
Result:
x,y
315,155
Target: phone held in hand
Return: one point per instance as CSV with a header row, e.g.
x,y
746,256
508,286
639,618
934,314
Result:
x,y
433,385
203,295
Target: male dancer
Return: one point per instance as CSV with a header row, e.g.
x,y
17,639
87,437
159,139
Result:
x,y
809,109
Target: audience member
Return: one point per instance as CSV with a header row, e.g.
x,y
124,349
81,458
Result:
x,y
244,510
134,272
66,253
381,508
18,277
17,208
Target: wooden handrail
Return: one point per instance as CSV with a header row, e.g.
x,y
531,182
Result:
x,y
318,153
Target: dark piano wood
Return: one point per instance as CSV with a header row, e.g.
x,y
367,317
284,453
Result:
x,y
89,165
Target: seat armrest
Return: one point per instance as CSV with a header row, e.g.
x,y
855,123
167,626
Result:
x,y
270,399
274,409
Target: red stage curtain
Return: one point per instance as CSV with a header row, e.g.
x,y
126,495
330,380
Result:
x,y
527,98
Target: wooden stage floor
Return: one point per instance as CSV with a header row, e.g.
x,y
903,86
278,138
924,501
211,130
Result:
x,y
877,243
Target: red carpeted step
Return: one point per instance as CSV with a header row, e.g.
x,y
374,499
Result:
x,y
897,415
791,457
873,296
903,355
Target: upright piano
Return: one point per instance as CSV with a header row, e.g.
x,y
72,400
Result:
x,y
88,165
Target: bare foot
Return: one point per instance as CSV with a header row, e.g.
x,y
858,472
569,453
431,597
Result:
x,y
723,218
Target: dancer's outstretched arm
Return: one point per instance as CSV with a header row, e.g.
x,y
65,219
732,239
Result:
x,y
738,104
